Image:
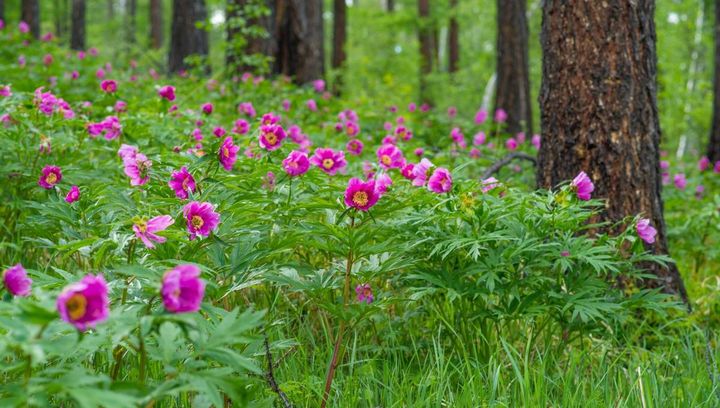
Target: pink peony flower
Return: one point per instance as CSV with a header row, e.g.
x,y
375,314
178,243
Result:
x,y
500,116
646,231
583,186
296,164
412,106
247,108
51,175
407,171
680,181
145,230
136,165
109,85
286,105
329,160
699,191
228,153
535,141
452,112
364,293
390,157
354,147
16,281
207,108
489,183
511,144
167,92
481,116
479,139
361,195
201,218
182,290
120,106
73,195
420,172
84,304
271,137
440,181
241,127
704,163
319,85
419,151
219,131
382,182
5,91
312,105
182,182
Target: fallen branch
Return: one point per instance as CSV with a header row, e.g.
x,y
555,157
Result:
x,y
505,161
270,377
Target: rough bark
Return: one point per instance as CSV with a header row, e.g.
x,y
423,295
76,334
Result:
x,y
339,39
30,13
77,31
453,39
713,149
300,46
156,23
390,5
599,111
131,20
513,79
427,47
253,44
187,39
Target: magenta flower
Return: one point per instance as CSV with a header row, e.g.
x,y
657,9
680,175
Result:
x,y
219,131
420,172
680,181
145,230
407,171
201,218
127,152
241,127
51,175
16,281
312,105
5,91
228,153
182,182
699,191
419,151
269,119
364,293
352,129
136,165
390,157
110,128
167,92
479,139
489,183
382,182
73,195
457,136
583,186
182,290
535,141
328,160
319,85
84,304
247,108
481,116
24,27
511,144
361,195
286,105
412,106
440,181
207,108
109,85
704,163
271,137
296,163
354,147
500,116
646,231
120,106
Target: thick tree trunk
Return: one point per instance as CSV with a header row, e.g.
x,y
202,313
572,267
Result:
x,y
299,34
156,23
186,38
453,41
131,20
426,40
236,48
599,110
30,13
713,149
77,34
513,79
339,39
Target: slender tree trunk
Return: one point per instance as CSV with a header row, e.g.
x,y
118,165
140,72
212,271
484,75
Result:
x,y
513,79
30,13
186,38
110,9
77,34
390,5
599,110
156,23
453,41
131,20
2,10
425,37
237,47
300,44
339,39
713,149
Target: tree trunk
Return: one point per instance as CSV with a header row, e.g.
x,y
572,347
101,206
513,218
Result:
x,y
339,39
453,42
186,38
425,37
131,20
713,149
513,79
77,34
30,13
2,10
251,45
300,46
390,5
599,111
110,10
156,24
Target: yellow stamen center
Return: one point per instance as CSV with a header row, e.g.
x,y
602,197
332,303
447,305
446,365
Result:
x,y
185,184
386,160
328,163
271,138
51,178
142,226
360,198
76,306
226,152
197,221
